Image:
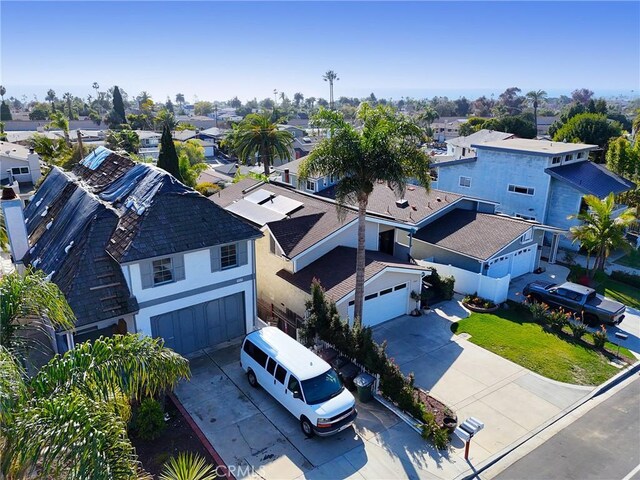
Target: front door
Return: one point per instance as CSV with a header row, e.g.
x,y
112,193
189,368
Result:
x,y
385,242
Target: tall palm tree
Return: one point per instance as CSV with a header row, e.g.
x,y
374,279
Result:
x,y
330,77
599,225
428,116
386,148
59,121
298,98
51,96
257,134
68,97
95,86
536,97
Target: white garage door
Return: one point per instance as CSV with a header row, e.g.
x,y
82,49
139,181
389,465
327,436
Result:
x,y
384,305
499,267
523,261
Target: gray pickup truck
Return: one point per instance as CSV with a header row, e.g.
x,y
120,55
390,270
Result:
x,y
583,301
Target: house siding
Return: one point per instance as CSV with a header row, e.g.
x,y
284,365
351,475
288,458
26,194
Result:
x,y
566,201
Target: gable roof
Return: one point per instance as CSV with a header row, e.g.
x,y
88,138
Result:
x,y
590,178
81,225
336,271
422,204
474,234
481,136
302,228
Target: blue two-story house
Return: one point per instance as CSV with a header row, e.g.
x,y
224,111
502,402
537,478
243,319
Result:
x,y
533,180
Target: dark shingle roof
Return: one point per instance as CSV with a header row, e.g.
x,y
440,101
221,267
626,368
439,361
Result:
x,y
477,235
590,178
336,271
422,204
303,227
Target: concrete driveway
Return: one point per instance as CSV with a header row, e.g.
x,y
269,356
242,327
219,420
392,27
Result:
x,y
258,438
511,400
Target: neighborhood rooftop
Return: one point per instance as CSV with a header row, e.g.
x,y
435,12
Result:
x,y
481,136
477,235
534,146
591,178
336,273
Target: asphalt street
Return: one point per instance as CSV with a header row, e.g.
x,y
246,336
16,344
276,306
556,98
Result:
x,y
604,444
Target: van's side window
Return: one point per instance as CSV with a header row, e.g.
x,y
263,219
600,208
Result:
x,y
281,373
271,365
255,353
294,385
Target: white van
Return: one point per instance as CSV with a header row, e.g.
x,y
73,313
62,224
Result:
x,y
301,381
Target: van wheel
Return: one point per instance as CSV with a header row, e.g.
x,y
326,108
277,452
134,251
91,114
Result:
x,y
253,381
306,427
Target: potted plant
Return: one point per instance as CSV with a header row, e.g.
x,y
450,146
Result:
x,y
415,296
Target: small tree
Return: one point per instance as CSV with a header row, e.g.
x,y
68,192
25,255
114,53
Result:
x,y
168,158
118,105
5,112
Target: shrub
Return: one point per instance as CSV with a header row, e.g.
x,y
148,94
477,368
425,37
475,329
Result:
x,y
148,422
440,438
442,287
578,329
539,311
599,337
207,188
558,319
628,278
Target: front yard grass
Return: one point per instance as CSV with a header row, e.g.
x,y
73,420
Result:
x,y
621,292
631,259
514,335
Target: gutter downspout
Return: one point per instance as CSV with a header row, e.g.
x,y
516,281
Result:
x,y
255,288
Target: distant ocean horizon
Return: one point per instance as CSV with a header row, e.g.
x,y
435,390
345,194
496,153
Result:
x,y
40,92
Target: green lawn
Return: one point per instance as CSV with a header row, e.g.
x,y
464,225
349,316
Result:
x,y
621,292
512,334
631,259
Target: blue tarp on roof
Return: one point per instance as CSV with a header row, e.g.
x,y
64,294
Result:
x,y
55,181
95,158
591,178
118,190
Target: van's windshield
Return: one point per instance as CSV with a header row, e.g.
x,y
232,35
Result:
x,y
323,387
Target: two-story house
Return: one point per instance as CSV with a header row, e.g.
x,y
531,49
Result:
x,y
18,164
461,147
134,250
534,180
305,238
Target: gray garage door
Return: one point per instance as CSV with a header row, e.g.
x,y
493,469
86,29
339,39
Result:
x,y
200,326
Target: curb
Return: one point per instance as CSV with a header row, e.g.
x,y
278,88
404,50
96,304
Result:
x,y
203,439
491,461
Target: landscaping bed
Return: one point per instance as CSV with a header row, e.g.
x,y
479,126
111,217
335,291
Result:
x,y
513,334
178,436
479,304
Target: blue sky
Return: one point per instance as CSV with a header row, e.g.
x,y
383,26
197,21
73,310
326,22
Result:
x,y
216,50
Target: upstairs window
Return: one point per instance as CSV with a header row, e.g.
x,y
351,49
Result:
x,y
580,155
311,186
526,237
465,182
228,256
556,160
521,190
19,170
568,158
162,271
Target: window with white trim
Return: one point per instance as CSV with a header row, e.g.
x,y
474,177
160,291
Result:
x,y
521,190
20,170
580,155
228,256
568,158
162,271
524,217
526,237
556,160
311,185
465,182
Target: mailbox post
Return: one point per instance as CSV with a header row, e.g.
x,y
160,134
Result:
x,y
466,431
621,336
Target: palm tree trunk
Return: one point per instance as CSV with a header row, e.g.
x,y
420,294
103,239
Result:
x,y
265,161
360,262
535,115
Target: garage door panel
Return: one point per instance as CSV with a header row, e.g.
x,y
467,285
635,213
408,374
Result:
x,y
203,325
522,261
383,307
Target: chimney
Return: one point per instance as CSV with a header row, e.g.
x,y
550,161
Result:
x,y
14,223
34,165
286,176
402,203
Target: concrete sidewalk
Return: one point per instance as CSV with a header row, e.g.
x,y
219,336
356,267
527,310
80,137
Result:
x,y
511,400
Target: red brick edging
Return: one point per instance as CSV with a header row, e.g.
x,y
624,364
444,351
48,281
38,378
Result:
x,y
203,439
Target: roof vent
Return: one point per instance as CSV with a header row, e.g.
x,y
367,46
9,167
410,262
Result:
x,y
438,199
49,224
46,210
402,203
68,247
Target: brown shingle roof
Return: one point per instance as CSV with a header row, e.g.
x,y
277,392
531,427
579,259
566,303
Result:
x,y
382,201
477,235
304,227
336,271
